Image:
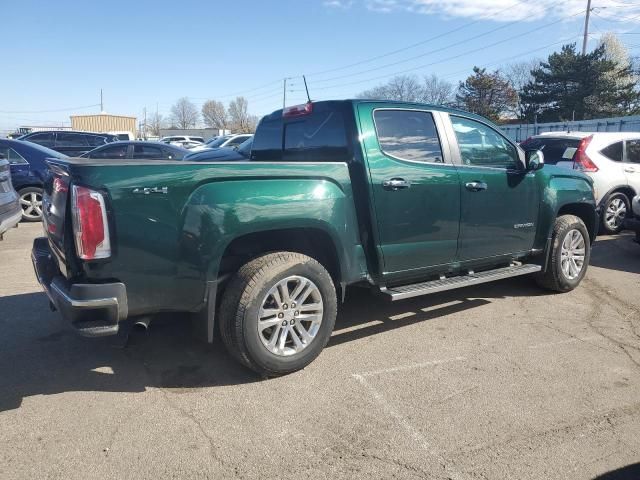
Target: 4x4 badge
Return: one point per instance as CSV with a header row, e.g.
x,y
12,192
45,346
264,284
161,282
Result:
x,y
150,190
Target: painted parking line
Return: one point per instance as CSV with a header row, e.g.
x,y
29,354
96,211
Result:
x,y
410,367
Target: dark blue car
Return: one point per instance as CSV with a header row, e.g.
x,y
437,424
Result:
x,y
28,171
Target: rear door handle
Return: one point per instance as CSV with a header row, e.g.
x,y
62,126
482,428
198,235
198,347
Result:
x,y
475,186
630,170
396,184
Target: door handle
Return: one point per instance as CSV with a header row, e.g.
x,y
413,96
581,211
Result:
x,y
475,186
396,184
629,169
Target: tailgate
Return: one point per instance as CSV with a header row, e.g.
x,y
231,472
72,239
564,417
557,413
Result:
x,y
54,207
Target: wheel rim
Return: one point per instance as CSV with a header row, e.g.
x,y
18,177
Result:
x,y
31,203
572,254
290,316
616,213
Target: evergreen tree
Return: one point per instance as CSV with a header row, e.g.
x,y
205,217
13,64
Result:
x,y
570,86
487,94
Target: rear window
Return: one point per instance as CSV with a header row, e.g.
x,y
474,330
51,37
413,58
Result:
x,y
554,149
318,137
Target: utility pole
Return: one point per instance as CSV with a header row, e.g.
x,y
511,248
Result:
x,y
284,94
144,131
586,28
101,104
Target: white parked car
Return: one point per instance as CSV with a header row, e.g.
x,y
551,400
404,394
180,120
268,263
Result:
x,y
612,159
228,141
184,141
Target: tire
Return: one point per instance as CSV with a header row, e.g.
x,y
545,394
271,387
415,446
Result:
x,y
251,294
612,221
556,277
31,204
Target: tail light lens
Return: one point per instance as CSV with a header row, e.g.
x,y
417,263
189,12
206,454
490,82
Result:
x,y
90,227
581,160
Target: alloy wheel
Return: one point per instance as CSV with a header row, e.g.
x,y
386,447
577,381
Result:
x,y
290,316
572,254
31,203
615,213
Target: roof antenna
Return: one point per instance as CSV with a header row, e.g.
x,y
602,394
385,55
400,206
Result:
x,y
306,88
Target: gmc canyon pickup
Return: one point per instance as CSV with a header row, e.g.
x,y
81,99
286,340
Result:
x,y
404,198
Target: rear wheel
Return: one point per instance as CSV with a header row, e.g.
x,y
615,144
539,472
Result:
x,y
278,312
569,256
615,210
31,204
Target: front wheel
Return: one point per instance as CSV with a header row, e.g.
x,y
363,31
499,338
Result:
x,y
278,312
569,256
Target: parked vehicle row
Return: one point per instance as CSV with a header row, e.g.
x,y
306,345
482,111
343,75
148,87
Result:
x,y
69,142
403,198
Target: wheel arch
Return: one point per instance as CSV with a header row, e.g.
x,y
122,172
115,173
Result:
x,y
315,242
584,212
626,189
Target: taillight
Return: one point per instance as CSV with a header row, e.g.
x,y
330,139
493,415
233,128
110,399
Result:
x,y
581,160
298,110
90,226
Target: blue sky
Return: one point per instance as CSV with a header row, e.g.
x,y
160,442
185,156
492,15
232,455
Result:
x,y
58,55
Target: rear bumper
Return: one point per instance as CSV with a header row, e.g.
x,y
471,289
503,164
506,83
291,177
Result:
x,y
94,310
10,220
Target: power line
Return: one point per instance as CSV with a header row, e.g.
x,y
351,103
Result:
x,y
50,111
465,41
468,52
408,47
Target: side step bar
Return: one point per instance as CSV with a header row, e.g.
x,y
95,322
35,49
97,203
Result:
x,y
433,286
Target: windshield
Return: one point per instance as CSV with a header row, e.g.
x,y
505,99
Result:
x,y
244,148
217,142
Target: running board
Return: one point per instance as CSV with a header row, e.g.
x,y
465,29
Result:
x,y
433,286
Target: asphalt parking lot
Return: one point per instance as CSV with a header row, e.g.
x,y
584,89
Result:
x,y
500,381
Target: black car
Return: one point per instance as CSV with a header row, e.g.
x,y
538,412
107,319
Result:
x,y
28,173
138,150
68,142
223,154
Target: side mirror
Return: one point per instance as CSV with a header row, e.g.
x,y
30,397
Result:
x,y
534,159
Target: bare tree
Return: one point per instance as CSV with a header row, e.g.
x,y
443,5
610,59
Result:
x,y
519,74
154,123
239,115
215,115
404,88
184,114
437,91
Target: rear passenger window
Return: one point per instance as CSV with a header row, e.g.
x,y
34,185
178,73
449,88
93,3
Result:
x,y
319,137
147,151
267,144
613,152
70,140
633,151
480,145
408,135
44,139
116,151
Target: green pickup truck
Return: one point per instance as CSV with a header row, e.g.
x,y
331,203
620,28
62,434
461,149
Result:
x,y
403,198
